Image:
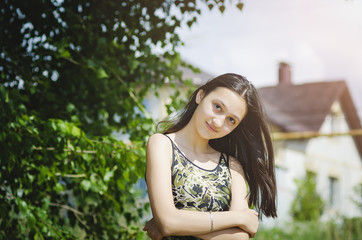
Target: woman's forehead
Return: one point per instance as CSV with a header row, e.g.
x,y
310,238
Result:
x,y
226,93
230,99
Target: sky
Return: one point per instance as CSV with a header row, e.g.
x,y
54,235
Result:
x,y
320,39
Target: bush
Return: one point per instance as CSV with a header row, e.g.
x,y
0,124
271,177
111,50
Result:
x,y
57,183
307,205
349,229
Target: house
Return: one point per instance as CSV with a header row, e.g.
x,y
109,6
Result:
x,y
314,126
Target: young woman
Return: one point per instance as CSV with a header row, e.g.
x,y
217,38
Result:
x,y
211,164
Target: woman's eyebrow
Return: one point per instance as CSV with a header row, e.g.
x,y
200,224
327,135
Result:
x,y
221,102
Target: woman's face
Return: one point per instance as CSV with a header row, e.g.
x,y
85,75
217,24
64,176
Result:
x,y
219,112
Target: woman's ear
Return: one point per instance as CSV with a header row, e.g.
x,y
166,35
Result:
x,y
199,96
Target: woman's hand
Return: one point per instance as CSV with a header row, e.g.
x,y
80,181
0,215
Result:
x,y
250,221
152,230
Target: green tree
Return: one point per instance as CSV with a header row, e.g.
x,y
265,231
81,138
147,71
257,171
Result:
x,y
73,73
307,205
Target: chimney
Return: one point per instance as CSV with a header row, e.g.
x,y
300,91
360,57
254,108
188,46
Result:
x,y
284,74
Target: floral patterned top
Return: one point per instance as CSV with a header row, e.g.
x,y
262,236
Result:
x,y
198,189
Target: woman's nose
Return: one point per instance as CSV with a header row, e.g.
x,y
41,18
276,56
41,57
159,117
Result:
x,y
218,121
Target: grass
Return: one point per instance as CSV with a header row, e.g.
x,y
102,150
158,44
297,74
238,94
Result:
x,y
345,229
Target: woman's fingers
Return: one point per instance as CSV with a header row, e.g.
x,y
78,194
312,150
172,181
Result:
x,y
251,221
152,230
146,227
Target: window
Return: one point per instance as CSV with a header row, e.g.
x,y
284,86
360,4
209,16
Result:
x,y
333,191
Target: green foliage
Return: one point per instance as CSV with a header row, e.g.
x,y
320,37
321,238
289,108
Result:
x,y
58,183
358,199
72,73
307,205
338,228
349,229
92,62
179,99
88,62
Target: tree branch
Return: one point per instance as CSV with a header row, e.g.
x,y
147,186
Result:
x,y
66,207
71,175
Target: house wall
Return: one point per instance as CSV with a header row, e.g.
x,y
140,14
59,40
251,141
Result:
x,y
290,165
336,158
156,105
332,159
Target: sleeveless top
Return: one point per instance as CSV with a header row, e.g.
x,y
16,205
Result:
x,y
198,189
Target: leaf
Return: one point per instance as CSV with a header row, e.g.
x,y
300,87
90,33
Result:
x,y
101,73
109,174
189,23
75,131
62,127
222,8
59,187
91,63
86,185
126,175
64,53
133,65
70,107
240,6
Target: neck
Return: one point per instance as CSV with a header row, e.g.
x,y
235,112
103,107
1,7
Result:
x,y
190,139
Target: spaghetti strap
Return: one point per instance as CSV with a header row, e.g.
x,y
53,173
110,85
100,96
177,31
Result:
x,y
168,137
173,149
172,143
173,152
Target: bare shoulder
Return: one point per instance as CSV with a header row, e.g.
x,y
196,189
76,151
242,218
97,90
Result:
x,y
235,165
158,146
158,139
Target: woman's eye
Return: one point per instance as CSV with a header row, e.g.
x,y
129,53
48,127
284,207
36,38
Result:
x,y
217,106
232,120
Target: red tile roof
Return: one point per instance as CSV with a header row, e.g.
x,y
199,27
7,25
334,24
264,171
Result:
x,y
304,107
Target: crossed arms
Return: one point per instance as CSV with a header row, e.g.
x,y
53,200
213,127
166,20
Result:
x,y
239,222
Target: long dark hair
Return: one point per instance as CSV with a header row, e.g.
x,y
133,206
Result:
x,y
250,142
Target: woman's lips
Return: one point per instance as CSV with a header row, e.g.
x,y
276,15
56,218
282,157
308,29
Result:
x,y
210,128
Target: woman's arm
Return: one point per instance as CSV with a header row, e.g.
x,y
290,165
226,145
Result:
x,y
169,220
238,202
226,234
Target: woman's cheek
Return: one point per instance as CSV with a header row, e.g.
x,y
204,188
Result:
x,y
229,129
